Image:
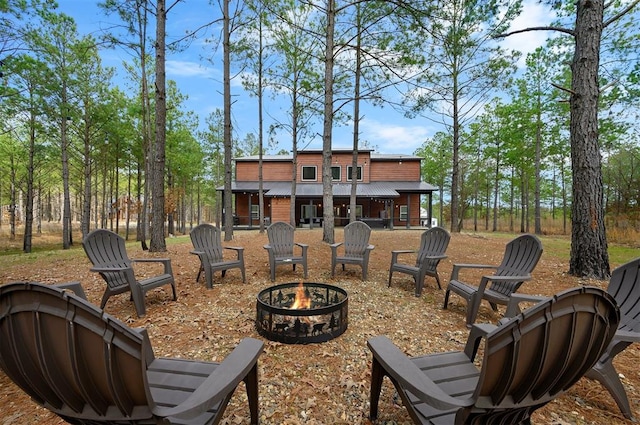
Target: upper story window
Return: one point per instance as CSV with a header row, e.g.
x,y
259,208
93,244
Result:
x,y
350,170
336,172
309,173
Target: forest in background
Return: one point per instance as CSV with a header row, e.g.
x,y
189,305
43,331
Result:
x,y
78,150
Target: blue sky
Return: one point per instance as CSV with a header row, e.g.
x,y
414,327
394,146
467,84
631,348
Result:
x,y
387,130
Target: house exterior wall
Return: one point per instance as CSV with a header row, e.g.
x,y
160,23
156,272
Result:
x,y
395,170
376,211
271,171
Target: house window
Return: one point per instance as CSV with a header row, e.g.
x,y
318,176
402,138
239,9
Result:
x,y
404,212
335,173
349,171
255,212
309,173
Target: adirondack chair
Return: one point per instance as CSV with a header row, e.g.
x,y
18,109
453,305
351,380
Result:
x,y
433,245
356,248
624,286
521,256
107,252
281,248
207,245
88,367
528,361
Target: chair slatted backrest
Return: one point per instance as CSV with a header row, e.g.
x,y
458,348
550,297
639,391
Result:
x,y
281,238
521,256
206,238
70,357
530,360
434,242
624,286
356,239
106,248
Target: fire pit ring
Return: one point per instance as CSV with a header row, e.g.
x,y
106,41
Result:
x,y
324,318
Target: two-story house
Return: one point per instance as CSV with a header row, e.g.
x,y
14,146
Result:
x,y
388,188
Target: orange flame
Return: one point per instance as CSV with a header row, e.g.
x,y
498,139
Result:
x,y
302,300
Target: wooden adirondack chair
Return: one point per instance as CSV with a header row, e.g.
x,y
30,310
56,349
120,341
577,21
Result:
x,y
281,248
108,254
433,245
521,256
356,248
528,361
207,245
89,368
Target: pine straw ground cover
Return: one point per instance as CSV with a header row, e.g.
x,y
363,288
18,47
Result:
x,y
325,383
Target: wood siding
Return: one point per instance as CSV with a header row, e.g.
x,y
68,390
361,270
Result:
x,y
395,170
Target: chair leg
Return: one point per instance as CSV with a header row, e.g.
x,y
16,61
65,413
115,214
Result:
x,y
251,383
390,274
606,374
473,306
438,280
377,374
446,299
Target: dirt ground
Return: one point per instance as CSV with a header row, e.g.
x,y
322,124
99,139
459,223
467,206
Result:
x,y
325,383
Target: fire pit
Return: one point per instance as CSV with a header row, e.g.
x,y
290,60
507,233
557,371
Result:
x,y
300,313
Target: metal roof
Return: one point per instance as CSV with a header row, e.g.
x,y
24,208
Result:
x,y
369,190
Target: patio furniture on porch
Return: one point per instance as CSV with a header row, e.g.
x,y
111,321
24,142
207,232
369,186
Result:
x,y
356,248
89,368
281,248
433,245
207,244
527,362
108,254
520,257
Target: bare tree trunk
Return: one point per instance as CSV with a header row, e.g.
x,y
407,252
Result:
x,y
158,243
67,240
589,255
327,188
228,145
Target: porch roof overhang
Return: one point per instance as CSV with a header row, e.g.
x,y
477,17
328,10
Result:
x,y
312,190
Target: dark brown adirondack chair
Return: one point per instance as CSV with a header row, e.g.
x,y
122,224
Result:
x,y
107,252
433,245
356,248
89,368
281,248
207,245
521,256
624,286
528,361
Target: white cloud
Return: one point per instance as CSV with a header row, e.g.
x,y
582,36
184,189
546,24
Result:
x,y
187,69
394,137
533,14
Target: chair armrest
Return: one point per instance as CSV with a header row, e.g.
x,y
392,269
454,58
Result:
x,y
165,261
458,267
75,287
627,336
234,248
224,379
403,370
513,306
395,254
196,252
334,246
477,332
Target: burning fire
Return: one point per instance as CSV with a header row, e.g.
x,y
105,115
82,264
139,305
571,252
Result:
x,y
303,299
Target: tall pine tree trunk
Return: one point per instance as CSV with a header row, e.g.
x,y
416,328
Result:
x,y
158,243
589,256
